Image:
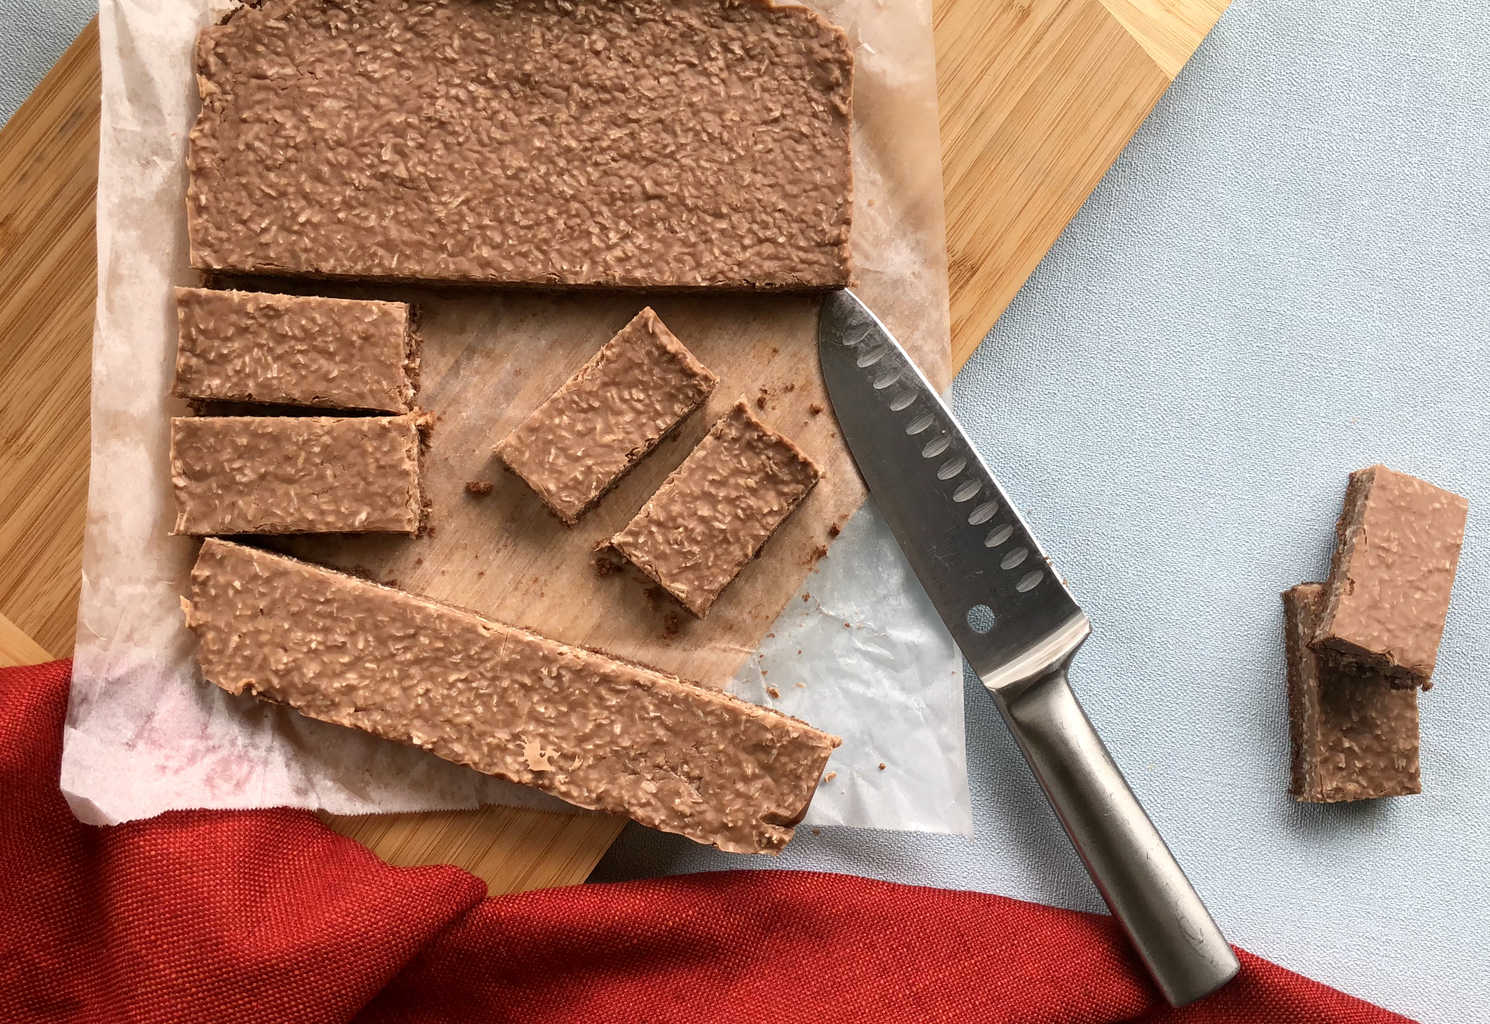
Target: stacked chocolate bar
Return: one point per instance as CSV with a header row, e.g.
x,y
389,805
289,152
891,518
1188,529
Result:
x,y
1362,644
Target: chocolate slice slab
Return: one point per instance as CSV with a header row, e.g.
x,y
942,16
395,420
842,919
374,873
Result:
x,y
598,732
1396,552
614,410
644,144
715,511
1353,735
296,474
238,346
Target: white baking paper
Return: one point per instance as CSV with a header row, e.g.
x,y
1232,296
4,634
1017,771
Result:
x,y
145,735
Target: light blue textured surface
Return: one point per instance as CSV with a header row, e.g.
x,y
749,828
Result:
x,y
1284,277
34,35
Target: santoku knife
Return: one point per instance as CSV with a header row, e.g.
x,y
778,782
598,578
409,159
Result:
x,y
1018,626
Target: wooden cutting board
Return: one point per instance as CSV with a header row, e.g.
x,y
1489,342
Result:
x,y
1037,99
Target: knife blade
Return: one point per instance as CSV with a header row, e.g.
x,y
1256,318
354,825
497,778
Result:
x,y
1018,626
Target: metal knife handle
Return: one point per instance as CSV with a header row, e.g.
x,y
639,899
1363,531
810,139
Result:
x,y
1139,878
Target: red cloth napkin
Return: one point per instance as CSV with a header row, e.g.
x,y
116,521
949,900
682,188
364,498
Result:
x,y
268,916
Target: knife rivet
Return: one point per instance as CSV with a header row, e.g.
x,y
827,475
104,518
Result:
x,y
980,618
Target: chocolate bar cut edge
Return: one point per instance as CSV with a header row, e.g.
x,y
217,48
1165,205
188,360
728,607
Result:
x,y
596,731
585,437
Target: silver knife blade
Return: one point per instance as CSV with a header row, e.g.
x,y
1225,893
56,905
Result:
x,y
1018,626
991,582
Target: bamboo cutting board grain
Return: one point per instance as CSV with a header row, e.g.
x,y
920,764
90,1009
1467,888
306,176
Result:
x,y
1037,99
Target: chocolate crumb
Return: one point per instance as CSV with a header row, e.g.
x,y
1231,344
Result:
x,y
806,598
479,488
429,530
760,402
480,573
775,351
830,776
882,766
847,626
418,562
834,530
775,693
815,409
818,553
789,387
817,831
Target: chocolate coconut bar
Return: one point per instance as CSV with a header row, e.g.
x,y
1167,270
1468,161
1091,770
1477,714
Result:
x,y
715,511
1353,735
1396,551
294,474
614,410
598,732
295,350
652,143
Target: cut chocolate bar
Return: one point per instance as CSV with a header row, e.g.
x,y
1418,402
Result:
x,y
1396,551
593,730
1353,735
713,513
651,143
296,474
295,350
614,410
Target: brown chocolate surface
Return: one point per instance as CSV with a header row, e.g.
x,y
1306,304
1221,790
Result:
x,y
240,346
296,474
1353,735
595,731
1396,551
713,513
607,417
637,143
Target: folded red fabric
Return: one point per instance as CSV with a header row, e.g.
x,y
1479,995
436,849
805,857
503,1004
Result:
x,y
268,916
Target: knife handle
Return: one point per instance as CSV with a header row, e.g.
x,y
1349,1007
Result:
x,y
1139,878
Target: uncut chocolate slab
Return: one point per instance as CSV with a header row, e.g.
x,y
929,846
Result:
x,y
715,511
1396,552
296,474
614,410
1353,735
642,143
598,732
238,346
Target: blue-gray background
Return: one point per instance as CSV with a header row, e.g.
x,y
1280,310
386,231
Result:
x,y
1283,278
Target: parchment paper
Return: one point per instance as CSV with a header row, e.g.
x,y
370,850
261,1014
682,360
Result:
x,y
857,651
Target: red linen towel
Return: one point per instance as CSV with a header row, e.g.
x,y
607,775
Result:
x,y
267,916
